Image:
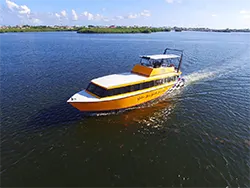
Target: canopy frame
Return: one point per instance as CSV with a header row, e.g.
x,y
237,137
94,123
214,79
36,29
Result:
x,y
158,60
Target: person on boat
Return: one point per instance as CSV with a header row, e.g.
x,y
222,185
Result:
x,y
157,64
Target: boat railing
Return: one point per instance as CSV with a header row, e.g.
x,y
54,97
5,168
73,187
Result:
x,y
181,55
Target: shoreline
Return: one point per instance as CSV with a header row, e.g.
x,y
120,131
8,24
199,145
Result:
x,y
118,30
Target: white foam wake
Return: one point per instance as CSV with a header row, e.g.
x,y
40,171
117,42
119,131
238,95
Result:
x,y
197,76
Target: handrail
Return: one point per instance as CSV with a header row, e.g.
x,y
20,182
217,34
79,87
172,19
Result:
x,y
180,61
173,50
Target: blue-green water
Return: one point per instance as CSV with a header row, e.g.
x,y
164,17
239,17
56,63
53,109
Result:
x,y
197,136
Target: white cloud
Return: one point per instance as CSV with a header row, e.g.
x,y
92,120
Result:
x,y
132,16
247,16
172,1
145,13
106,19
22,14
98,17
88,15
169,1
244,12
214,15
57,15
11,5
119,17
36,21
64,13
24,9
74,15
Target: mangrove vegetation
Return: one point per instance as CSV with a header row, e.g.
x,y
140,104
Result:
x,y
109,29
122,30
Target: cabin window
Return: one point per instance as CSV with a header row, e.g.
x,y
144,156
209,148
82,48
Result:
x,y
146,85
136,87
173,78
97,90
125,89
91,87
102,92
117,91
158,82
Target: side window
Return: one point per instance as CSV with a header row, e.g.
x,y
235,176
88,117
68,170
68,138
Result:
x,y
136,87
144,85
91,87
126,89
110,92
116,91
132,88
120,90
158,82
97,90
151,84
148,84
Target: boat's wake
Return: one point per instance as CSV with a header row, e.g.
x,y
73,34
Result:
x,y
198,76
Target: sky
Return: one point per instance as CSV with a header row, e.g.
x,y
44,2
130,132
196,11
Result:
x,y
218,14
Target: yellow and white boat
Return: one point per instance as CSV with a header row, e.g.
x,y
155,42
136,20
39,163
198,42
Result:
x,y
148,80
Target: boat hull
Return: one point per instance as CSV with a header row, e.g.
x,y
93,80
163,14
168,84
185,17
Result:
x,y
121,103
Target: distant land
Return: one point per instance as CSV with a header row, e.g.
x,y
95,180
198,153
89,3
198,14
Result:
x,y
109,29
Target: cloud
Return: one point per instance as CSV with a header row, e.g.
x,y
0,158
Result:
x,y
74,15
169,1
88,15
214,15
21,9
11,5
57,15
119,17
19,13
145,13
64,13
15,14
132,16
98,17
36,21
244,12
246,16
24,9
172,1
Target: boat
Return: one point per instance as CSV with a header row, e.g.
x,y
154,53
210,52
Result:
x,y
149,79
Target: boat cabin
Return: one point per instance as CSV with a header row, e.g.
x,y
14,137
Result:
x,y
152,71
152,65
103,91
